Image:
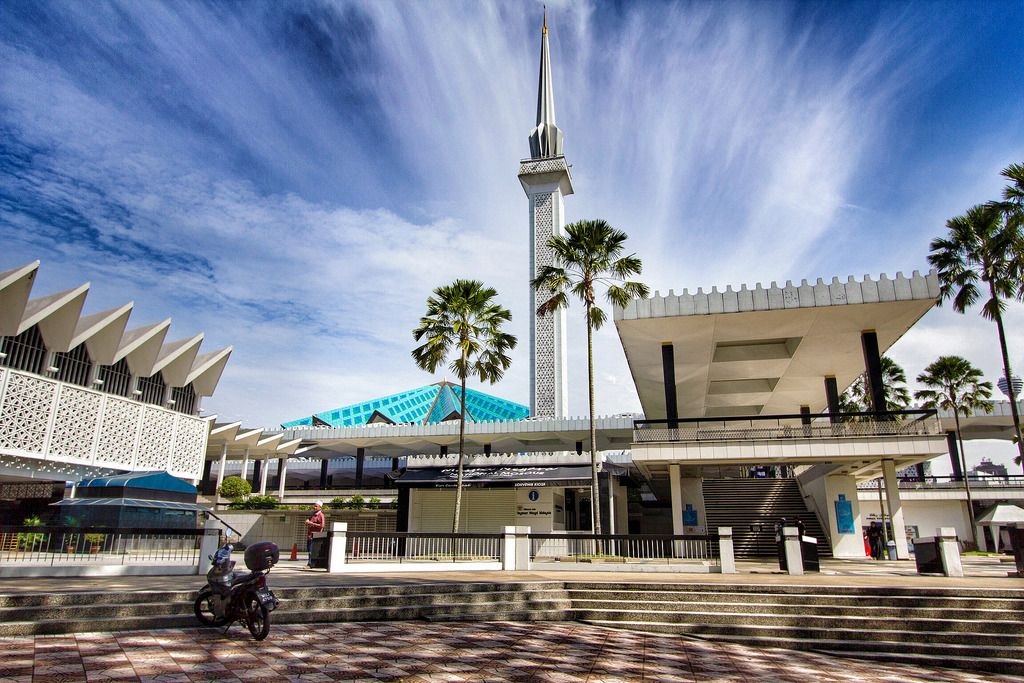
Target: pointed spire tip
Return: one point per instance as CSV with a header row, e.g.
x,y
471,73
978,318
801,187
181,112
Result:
x,y
544,28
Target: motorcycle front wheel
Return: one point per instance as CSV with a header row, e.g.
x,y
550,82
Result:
x,y
257,617
203,607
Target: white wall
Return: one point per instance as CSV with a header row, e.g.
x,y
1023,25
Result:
x,y
926,515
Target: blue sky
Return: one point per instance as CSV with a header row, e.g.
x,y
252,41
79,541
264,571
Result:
x,y
293,178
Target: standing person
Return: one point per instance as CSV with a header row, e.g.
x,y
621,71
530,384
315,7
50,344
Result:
x,y
314,524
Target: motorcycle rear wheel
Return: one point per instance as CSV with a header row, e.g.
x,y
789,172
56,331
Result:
x,y
203,607
257,617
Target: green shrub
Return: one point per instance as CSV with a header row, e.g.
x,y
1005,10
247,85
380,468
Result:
x,y
235,488
356,502
374,502
336,503
257,502
31,540
96,539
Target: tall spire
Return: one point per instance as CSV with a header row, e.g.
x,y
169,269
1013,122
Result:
x,y
546,138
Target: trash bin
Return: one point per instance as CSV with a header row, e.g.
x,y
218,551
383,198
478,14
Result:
x,y
1017,543
891,548
318,552
926,555
809,553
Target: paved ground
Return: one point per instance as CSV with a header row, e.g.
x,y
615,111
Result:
x,y
417,651
473,651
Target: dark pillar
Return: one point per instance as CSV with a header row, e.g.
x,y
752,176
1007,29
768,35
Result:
x,y
402,517
208,486
444,450
805,415
920,470
873,371
487,449
257,466
668,366
360,459
394,464
323,474
832,397
954,456
579,448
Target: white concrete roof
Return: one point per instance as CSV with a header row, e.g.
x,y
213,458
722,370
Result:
x,y
63,327
260,444
765,350
516,436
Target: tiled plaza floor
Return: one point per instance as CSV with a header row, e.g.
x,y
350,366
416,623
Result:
x,y
418,651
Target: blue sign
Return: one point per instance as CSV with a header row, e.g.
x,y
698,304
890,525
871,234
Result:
x,y
534,495
844,515
689,516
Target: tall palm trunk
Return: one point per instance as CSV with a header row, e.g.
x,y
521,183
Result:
x,y
462,444
595,501
963,467
1009,384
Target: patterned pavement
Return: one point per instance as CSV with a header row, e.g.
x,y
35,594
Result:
x,y
553,652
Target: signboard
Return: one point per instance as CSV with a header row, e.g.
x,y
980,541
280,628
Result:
x,y
497,476
844,515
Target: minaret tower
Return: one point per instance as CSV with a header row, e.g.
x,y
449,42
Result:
x,y
546,180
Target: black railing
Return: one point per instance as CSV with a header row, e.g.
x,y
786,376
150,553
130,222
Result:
x,y
72,545
624,548
411,546
984,482
792,426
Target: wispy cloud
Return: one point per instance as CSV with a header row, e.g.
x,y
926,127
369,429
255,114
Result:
x,y
294,179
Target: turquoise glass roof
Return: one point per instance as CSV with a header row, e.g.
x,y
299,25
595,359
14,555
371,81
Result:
x,y
426,405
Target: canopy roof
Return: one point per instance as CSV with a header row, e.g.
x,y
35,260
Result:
x,y
1003,513
766,350
430,404
154,481
131,502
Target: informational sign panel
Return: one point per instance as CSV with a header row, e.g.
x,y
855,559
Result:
x,y
844,515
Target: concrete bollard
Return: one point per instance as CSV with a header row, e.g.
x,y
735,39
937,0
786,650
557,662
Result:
x,y
337,543
794,557
726,553
209,545
949,551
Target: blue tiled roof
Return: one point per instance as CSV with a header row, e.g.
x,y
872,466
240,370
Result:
x,y
425,405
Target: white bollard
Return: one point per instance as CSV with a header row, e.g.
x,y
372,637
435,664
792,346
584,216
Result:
x,y
794,558
338,543
726,554
949,551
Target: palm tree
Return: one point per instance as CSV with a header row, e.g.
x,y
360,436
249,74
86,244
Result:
x,y
983,245
894,383
957,387
1012,207
588,256
463,318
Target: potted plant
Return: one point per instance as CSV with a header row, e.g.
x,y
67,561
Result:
x,y
95,542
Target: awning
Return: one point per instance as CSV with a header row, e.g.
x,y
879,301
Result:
x,y
496,477
132,502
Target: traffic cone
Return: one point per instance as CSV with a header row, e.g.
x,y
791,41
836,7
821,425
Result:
x,y
295,551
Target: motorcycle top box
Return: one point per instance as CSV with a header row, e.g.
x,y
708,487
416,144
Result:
x,y
261,556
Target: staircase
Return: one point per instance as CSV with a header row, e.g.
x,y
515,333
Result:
x,y
975,629
752,507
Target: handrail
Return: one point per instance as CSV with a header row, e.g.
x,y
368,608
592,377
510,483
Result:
x,y
884,415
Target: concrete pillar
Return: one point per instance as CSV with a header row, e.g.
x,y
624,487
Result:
x,y
282,474
675,488
360,459
832,397
263,476
794,558
244,474
892,494
954,455
220,470
323,474
338,542
210,544
726,553
873,371
668,366
949,551
841,494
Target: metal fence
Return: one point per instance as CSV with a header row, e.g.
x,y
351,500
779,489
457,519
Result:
x,y
918,483
406,546
648,549
39,545
759,427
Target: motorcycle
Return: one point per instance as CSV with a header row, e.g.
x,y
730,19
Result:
x,y
229,597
